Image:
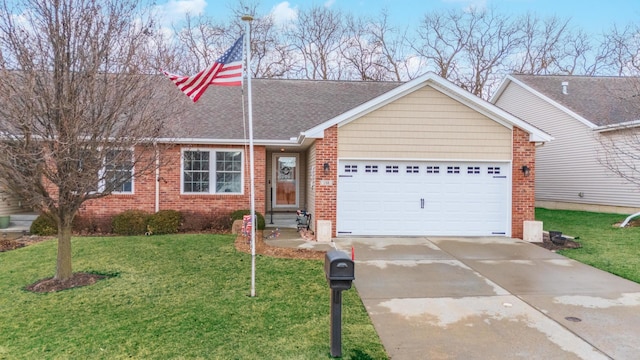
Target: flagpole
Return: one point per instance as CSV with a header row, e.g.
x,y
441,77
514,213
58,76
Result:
x,y
247,41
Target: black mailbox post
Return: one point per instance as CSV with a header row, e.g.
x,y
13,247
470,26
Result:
x,y
340,272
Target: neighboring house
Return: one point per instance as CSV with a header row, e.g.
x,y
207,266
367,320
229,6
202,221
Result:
x,y
580,113
374,158
9,204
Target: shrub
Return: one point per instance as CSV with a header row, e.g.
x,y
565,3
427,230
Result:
x,y
238,214
195,221
130,222
90,224
213,220
44,225
164,222
221,222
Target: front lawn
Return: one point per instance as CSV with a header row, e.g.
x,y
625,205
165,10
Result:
x,y
174,297
604,246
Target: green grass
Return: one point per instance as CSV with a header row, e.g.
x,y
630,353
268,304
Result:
x,y
174,297
604,246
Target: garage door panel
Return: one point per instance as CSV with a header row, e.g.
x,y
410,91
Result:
x,y
423,198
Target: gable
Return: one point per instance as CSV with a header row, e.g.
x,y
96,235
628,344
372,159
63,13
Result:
x,y
425,124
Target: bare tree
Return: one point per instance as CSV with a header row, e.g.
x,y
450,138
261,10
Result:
x,y
470,48
578,56
270,56
360,52
79,106
542,45
316,39
374,49
621,50
493,39
444,36
393,49
200,41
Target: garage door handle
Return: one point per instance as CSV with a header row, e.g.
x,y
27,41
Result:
x,y
422,203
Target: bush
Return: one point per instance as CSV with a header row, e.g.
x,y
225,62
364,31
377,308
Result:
x,y
238,214
164,222
90,224
213,220
130,222
44,225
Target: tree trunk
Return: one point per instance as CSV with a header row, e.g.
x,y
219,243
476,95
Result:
x,y
63,268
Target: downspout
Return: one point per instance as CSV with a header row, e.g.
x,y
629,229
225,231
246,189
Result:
x,y
626,221
157,155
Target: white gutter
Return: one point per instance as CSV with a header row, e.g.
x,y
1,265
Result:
x,y
620,126
198,141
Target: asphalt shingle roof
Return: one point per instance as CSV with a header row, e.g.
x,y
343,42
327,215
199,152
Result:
x,y
281,108
601,100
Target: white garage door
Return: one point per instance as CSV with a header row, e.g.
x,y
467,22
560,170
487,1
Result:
x,y
423,198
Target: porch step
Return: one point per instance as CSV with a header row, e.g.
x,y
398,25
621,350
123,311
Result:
x,y
280,220
20,223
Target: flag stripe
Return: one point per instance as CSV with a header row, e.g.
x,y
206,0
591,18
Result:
x,y
226,71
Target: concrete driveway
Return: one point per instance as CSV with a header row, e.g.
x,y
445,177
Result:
x,y
492,298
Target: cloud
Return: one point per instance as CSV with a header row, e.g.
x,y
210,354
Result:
x,y
283,13
175,10
329,3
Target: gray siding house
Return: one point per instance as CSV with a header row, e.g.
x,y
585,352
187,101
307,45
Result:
x,y
581,113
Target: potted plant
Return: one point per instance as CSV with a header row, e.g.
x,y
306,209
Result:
x,y
4,221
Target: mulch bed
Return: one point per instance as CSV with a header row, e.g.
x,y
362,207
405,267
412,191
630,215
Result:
x,y
550,245
52,285
243,244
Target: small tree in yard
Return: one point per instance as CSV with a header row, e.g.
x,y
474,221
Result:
x,y
80,107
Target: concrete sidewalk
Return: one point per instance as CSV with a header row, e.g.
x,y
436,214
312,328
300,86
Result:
x,y
492,298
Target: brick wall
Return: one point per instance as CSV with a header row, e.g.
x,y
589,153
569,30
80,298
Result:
x,y
523,190
326,195
169,183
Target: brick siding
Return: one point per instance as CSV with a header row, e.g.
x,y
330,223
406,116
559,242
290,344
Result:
x,y
144,196
523,190
326,195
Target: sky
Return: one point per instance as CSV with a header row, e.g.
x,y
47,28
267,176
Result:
x,y
594,16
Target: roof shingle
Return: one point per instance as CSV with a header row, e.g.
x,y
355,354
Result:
x,y
601,100
282,109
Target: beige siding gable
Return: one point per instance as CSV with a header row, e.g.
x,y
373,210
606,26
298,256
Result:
x,y
425,124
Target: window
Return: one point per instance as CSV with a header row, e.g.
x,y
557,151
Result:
x,y
118,171
495,170
351,168
392,169
201,167
371,168
473,170
411,169
433,169
453,169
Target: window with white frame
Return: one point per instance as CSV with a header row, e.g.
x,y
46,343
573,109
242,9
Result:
x,y
212,171
118,171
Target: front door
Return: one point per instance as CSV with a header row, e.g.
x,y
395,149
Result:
x,y
286,180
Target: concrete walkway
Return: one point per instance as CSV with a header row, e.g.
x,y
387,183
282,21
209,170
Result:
x,y
492,298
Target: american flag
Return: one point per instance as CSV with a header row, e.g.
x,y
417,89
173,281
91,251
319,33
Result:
x,y
226,71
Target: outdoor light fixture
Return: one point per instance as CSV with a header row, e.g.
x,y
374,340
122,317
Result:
x,y
327,168
526,170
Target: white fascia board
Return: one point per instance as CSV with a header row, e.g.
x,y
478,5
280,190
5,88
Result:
x,y
620,126
196,141
544,98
